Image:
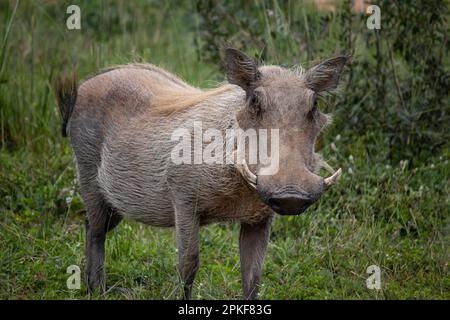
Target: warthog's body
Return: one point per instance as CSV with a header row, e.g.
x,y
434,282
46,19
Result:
x,y
133,144
120,124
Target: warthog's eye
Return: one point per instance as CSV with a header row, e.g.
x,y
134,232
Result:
x,y
312,113
255,104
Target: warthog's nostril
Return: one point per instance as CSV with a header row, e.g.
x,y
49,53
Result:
x,y
274,203
289,204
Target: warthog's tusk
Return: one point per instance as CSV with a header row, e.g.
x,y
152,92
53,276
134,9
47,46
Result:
x,y
333,178
248,176
327,167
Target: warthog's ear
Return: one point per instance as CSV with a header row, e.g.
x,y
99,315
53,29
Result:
x,y
325,76
240,69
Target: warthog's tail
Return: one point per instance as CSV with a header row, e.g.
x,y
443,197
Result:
x,y
66,95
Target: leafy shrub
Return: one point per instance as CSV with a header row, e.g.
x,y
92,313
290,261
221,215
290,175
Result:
x,y
398,81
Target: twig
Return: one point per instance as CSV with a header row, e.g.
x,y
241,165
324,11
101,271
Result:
x,y
397,83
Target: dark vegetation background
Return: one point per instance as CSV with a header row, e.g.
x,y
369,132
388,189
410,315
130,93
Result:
x,y
390,135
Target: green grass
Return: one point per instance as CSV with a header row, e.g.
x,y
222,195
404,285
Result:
x,y
392,215
390,218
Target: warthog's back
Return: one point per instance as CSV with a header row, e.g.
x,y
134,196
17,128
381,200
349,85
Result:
x,y
129,89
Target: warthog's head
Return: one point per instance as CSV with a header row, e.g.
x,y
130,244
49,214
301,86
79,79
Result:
x,y
284,99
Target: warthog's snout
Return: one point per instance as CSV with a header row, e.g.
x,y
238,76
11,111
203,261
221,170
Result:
x,y
291,202
291,199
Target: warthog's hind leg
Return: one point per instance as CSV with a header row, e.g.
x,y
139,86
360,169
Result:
x,y
99,220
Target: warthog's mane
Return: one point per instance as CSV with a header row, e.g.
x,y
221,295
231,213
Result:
x,y
174,95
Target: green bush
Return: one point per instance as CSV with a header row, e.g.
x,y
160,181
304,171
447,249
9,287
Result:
x,y
399,78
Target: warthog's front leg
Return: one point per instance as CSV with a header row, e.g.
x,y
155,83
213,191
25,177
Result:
x,y
187,229
253,240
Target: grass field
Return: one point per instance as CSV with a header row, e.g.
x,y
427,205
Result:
x,y
387,213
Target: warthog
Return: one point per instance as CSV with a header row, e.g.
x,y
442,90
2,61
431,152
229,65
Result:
x,y
120,123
